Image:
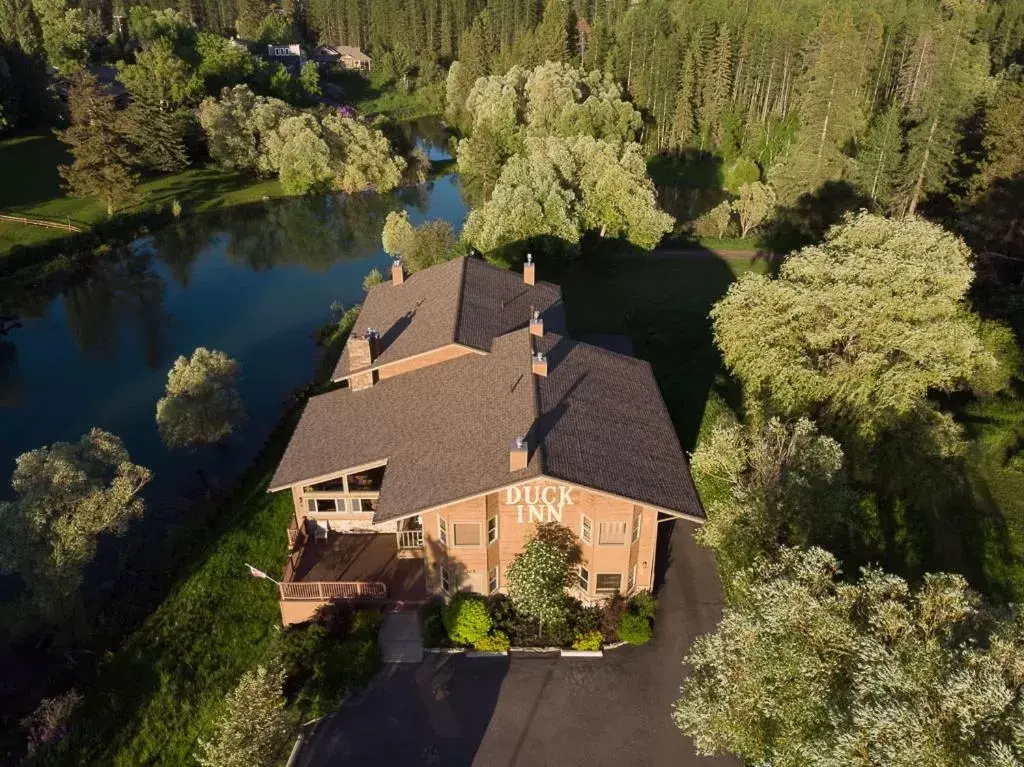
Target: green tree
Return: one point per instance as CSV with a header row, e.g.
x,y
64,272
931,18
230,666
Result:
x,y
715,222
419,247
553,32
372,279
157,135
755,203
856,673
160,76
880,157
201,403
684,121
861,328
64,34
251,14
276,28
221,64
147,25
309,79
255,727
101,164
539,575
300,154
564,187
67,496
715,89
238,125
782,482
361,157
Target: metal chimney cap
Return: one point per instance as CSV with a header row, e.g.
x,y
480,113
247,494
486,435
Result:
x,y
520,442
529,258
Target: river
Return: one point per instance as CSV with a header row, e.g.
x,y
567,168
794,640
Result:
x,y
255,282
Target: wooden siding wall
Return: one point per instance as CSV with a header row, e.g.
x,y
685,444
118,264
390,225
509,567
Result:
x,y
469,565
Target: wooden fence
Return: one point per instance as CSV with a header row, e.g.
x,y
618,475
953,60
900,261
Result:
x,y
324,591
67,227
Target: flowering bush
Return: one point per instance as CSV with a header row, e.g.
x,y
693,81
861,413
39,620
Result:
x,y
539,575
590,640
466,619
496,642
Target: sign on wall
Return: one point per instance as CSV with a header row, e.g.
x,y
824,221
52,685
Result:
x,y
534,503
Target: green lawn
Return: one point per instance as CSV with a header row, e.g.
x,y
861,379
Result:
x,y
33,160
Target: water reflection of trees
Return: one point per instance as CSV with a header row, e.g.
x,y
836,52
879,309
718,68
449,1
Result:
x,y
121,291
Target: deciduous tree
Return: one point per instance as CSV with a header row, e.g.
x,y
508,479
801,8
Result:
x,y
201,403
861,328
755,203
67,496
419,247
64,34
539,574
806,668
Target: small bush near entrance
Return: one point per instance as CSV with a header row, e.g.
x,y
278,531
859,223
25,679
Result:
x,y
466,619
367,621
644,604
611,612
432,625
634,629
590,640
496,642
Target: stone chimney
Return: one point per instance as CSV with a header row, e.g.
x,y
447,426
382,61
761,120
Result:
x,y
518,454
397,272
536,324
529,272
362,351
539,364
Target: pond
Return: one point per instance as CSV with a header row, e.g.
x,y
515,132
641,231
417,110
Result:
x,y
255,282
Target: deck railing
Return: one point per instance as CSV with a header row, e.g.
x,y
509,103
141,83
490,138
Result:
x,y
410,539
324,591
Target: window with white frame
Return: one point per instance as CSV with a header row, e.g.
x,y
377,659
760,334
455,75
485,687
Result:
x,y
586,529
632,579
445,577
636,527
442,531
467,533
325,505
492,529
611,533
584,579
492,580
607,582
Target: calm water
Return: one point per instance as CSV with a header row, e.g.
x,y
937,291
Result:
x,y
255,282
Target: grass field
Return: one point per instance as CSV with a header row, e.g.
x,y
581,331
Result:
x,y
33,160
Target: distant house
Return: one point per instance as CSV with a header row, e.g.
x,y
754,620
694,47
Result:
x,y
347,56
291,56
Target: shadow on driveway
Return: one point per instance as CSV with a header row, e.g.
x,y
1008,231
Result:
x,y
488,712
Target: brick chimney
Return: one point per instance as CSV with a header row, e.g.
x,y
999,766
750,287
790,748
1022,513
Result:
x,y
539,364
397,272
536,324
529,272
518,454
362,351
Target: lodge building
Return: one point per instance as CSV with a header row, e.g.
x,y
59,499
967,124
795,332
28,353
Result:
x,y
469,417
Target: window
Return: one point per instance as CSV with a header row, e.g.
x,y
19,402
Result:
x,y
611,533
325,505
364,504
467,533
586,529
330,486
492,580
608,582
446,583
492,529
636,526
584,579
368,479
442,531
632,579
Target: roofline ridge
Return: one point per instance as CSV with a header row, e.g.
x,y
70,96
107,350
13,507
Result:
x,y
459,300
497,268
542,458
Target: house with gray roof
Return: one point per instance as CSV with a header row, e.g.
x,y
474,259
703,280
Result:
x,y
468,415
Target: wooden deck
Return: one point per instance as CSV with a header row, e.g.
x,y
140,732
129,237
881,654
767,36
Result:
x,y
362,557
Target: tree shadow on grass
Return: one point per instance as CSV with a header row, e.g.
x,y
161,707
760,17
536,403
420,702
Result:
x,y
662,302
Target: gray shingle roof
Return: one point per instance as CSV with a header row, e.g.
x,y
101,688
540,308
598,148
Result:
x,y
596,420
465,301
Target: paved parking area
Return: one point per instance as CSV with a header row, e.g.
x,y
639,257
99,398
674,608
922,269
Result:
x,y
453,710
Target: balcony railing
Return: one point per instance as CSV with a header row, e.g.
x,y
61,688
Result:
x,y
410,539
317,591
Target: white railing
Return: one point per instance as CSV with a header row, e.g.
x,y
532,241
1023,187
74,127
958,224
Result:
x,y
323,591
410,539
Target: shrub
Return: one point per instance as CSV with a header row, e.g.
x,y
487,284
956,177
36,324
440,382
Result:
x,y
49,722
466,619
644,604
433,631
634,629
254,727
496,642
505,618
588,640
367,621
611,612
582,618
336,617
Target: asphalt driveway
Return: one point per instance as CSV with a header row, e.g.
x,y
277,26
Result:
x,y
453,710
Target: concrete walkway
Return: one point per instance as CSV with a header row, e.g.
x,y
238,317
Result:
x,y
454,711
399,638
